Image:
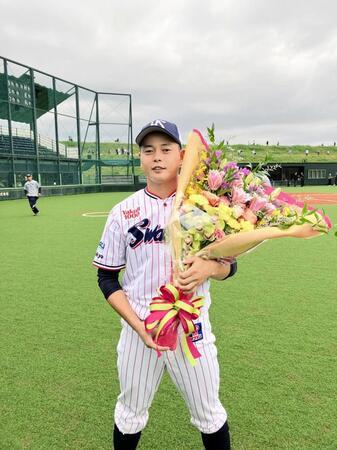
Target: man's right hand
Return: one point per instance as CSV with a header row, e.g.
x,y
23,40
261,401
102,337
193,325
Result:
x,y
120,303
149,342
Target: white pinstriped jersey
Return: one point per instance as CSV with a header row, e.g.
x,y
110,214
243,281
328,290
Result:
x,y
133,238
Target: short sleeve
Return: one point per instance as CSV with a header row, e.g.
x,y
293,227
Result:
x,y
111,250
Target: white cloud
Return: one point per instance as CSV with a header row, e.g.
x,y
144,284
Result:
x,y
259,70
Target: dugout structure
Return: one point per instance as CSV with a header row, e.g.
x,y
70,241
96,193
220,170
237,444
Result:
x,y
56,130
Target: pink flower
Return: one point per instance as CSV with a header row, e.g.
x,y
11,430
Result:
x,y
250,216
237,183
219,234
239,196
224,200
237,211
213,199
214,179
258,204
270,208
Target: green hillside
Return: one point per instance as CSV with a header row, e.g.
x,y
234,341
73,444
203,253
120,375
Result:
x,y
238,152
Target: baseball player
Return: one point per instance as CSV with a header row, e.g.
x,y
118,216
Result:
x,y
133,239
32,191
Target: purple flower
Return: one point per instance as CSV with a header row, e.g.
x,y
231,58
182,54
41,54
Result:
x,y
252,187
225,185
245,171
218,153
230,165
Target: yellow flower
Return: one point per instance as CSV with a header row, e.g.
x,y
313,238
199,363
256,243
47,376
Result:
x,y
224,212
246,226
249,178
257,181
286,211
203,155
233,223
198,199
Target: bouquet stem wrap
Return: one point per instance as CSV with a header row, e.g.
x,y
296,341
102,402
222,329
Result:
x,y
171,308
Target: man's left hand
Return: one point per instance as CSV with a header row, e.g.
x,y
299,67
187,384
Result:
x,y
197,273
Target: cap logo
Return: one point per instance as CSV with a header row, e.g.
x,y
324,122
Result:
x,y
158,123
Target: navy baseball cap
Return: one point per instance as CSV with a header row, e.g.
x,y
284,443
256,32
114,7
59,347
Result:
x,y
162,126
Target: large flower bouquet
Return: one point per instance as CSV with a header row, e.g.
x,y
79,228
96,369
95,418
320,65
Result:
x,y
221,211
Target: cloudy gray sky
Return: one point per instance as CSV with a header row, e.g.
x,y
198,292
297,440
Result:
x,y
258,69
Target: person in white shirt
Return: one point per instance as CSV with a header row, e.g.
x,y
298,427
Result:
x,y
32,191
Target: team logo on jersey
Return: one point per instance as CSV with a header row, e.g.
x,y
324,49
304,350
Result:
x,y
131,213
101,244
142,232
99,255
197,335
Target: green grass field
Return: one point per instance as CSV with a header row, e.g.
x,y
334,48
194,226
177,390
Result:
x,y
275,324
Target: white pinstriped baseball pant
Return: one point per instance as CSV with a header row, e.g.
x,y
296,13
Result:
x,y
140,372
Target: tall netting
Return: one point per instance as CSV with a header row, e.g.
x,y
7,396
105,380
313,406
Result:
x,y
62,133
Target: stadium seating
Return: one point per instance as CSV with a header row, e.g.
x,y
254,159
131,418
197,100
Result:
x,y
22,146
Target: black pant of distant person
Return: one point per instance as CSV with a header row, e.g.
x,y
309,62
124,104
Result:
x,y
32,203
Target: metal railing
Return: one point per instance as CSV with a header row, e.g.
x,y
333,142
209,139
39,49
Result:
x,y
43,141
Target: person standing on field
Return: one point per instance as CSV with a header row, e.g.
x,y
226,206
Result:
x,y
32,191
133,239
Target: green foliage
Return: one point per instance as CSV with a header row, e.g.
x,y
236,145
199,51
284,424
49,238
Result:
x,y
274,323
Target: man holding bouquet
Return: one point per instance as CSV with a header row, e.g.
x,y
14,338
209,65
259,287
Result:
x,y
133,239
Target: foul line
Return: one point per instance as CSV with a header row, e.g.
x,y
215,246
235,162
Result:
x,y
96,214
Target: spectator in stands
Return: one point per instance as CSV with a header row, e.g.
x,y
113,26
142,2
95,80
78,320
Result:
x,y
295,179
302,179
330,178
336,179
334,144
253,152
307,152
32,191
267,142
